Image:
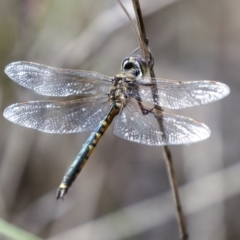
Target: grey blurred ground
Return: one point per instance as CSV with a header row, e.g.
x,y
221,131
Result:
x,y
123,191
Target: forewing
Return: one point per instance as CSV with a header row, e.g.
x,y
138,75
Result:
x,y
176,95
159,128
52,81
80,115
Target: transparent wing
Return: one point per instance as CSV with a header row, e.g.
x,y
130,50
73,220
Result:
x,y
80,115
158,129
177,95
51,81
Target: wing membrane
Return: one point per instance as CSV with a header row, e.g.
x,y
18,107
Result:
x,y
51,81
132,125
176,95
80,115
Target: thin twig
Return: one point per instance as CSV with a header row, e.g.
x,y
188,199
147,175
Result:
x,y
166,150
133,24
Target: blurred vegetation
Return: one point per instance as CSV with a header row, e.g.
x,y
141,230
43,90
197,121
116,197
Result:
x,y
12,232
123,191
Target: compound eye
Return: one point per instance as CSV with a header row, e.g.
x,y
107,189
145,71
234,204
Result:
x,y
125,64
136,65
128,66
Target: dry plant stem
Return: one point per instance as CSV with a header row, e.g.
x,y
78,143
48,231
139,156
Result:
x,y
166,150
173,181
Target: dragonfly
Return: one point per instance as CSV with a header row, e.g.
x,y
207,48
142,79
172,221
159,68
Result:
x,y
126,99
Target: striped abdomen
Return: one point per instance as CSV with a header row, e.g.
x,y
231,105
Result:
x,y
86,151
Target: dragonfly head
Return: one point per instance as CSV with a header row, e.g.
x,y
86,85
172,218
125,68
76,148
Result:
x,y
136,65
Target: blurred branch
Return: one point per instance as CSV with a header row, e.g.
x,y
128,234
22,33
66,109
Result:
x,y
83,46
143,216
18,158
10,231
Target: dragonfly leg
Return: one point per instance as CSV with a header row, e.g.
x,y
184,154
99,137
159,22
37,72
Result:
x,y
134,51
144,110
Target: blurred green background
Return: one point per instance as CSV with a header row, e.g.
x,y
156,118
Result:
x,y
123,191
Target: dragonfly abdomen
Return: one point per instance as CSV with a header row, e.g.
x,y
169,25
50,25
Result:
x,y
86,151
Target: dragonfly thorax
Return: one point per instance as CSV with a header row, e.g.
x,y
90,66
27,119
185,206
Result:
x,y
134,65
119,92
